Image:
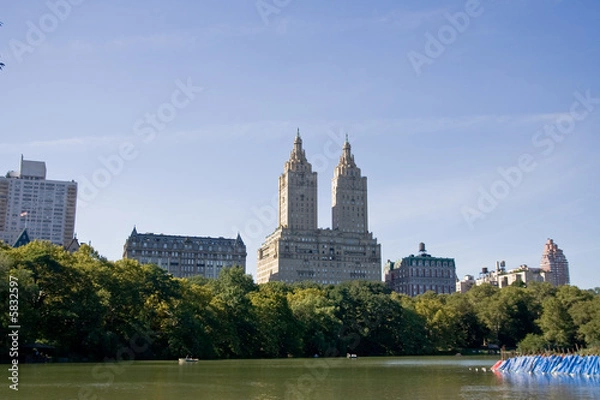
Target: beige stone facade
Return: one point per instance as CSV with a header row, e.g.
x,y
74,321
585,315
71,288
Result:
x,y
300,251
501,277
555,262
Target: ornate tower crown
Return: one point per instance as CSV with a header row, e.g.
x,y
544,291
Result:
x,y
349,195
298,191
346,165
298,161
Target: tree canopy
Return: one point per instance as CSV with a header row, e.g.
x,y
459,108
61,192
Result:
x,y
85,307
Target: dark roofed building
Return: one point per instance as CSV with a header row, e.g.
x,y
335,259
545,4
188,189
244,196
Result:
x,y
414,275
186,256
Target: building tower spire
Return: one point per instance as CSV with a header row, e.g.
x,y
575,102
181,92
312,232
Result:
x,y
347,159
298,191
297,156
349,195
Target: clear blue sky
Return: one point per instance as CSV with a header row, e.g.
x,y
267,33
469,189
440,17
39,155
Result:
x,y
435,106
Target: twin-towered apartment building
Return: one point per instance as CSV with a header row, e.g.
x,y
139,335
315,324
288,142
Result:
x,y
298,250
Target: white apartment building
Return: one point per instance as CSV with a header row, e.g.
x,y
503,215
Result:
x,y
46,208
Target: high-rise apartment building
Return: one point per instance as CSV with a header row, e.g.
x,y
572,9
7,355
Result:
x,y
414,275
186,256
300,251
46,208
555,262
298,192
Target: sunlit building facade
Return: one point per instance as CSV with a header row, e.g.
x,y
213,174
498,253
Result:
x,y
300,251
186,256
555,262
44,208
415,275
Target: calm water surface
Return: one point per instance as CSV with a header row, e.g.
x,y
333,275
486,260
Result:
x,y
413,378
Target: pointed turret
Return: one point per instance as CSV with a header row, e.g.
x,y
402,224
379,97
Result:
x,y
238,240
22,239
349,194
134,231
298,191
347,159
297,156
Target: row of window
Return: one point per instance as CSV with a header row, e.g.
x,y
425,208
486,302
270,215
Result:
x,y
426,272
229,249
176,254
432,263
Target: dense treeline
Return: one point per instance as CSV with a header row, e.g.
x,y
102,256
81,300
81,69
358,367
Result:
x,y
86,307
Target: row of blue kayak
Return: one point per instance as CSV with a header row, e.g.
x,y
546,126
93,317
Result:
x,y
572,364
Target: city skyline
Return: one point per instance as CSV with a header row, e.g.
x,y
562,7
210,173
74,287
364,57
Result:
x,y
474,124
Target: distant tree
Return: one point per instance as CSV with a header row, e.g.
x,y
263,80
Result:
x,y
188,328
279,331
315,313
509,316
237,334
586,315
412,335
532,343
468,330
370,317
556,323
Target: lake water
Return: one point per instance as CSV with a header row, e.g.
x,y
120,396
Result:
x,y
412,378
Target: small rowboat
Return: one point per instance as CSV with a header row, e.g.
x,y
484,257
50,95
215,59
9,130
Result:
x,y
187,360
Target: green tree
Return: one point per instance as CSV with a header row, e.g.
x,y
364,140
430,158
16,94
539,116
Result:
x,y
586,316
190,326
509,316
563,315
370,318
279,331
438,320
467,330
138,298
58,303
316,316
556,323
532,343
412,333
237,334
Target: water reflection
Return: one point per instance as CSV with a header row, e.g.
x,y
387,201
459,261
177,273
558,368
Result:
x,y
413,378
559,387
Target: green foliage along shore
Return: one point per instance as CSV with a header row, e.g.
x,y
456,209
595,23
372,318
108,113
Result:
x,y
82,307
